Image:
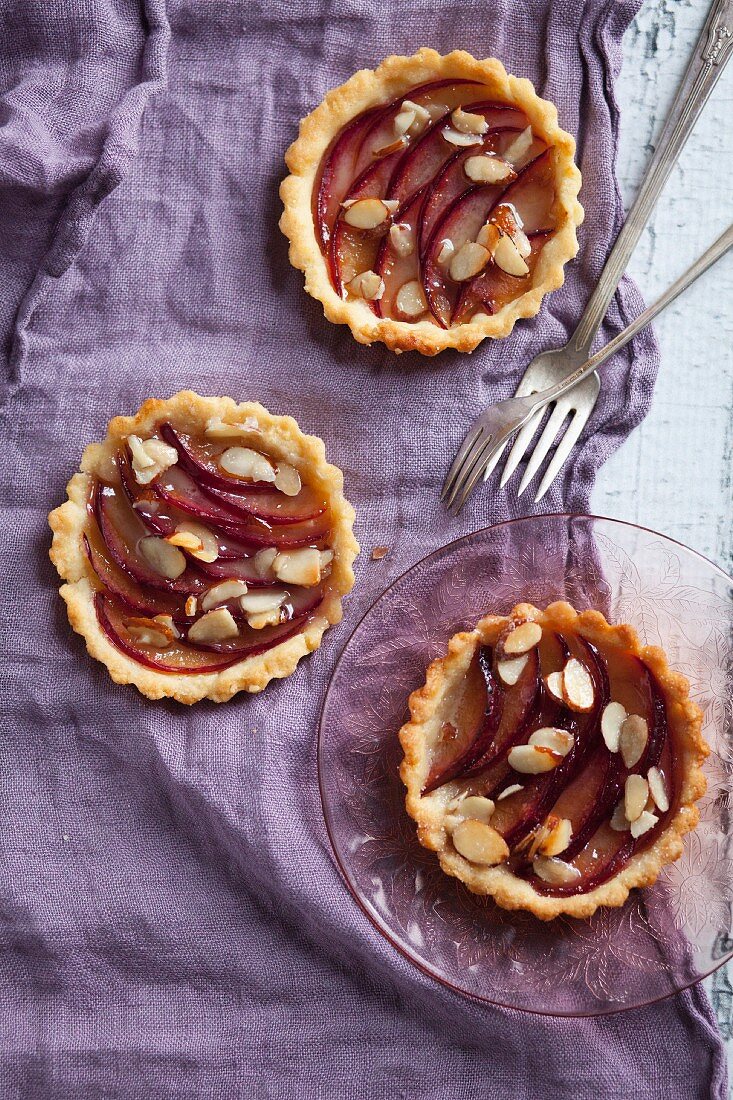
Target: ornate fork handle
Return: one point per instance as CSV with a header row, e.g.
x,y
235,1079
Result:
x,y
712,51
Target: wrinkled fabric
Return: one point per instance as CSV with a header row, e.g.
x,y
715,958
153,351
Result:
x,y
172,921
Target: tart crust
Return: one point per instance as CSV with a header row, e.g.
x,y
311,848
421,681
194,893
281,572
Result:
x,y
367,88
189,412
429,811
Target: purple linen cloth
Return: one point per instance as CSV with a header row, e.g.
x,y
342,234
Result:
x,y
172,921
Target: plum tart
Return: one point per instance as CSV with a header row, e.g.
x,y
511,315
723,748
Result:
x,y
432,202
552,761
206,547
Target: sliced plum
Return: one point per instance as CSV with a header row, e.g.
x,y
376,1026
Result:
x,y
396,270
337,174
122,586
493,288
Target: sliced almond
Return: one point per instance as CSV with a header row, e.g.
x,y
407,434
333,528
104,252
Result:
x,y
506,256
644,822
510,671
150,458
555,871
422,114
402,239
287,479
619,822
366,213
480,843
298,566
612,719
523,638
533,759
185,540
265,599
149,632
259,620
487,169
410,300
658,789
367,285
488,236
455,137
209,550
633,739
379,552
636,792
392,205
388,149
166,621
559,830
166,560
553,683
247,464
403,121
447,250
476,807
522,241
140,457
468,123
520,146
216,428
468,261
220,593
263,561
214,626
191,606
556,740
509,791
577,686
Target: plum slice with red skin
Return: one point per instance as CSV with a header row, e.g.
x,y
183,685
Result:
x,y
240,569
493,288
336,175
396,270
126,590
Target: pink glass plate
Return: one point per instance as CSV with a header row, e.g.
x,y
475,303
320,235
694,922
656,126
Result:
x,y
666,937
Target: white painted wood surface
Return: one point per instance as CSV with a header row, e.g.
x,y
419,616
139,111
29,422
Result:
x,y
674,473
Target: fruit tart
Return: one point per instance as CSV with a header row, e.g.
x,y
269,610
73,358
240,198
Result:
x,y
432,202
552,761
205,546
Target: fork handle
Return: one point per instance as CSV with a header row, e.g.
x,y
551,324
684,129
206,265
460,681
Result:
x,y
708,258
711,53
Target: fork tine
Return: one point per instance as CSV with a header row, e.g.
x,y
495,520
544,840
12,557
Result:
x,y
487,454
494,462
552,427
470,438
521,444
564,448
470,458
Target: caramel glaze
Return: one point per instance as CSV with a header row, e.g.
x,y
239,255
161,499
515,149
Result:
x,y
588,783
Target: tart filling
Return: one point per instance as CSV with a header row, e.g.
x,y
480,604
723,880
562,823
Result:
x,y
206,543
552,761
439,206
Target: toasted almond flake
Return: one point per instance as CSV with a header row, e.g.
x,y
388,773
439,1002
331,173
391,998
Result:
x,y
559,830
392,205
367,285
166,560
366,213
191,606
510,671
658,789
379,552
556,740
214,626
644,822
186,540
475,807
298,566
410,300
522,241
287,479
479,843
149,632
150,458
386,150
220,593
506,256
208,549
468,261
619,822
447,249
265,599
421,112
264,618
455,137
140,456
263,560
487,168
166,621
612,719
488,236
468,123
523,638
403,121
577,686
553,683
402,239
216,428
509,791
555,871
520,146
245,463
533,759
636,792
633,739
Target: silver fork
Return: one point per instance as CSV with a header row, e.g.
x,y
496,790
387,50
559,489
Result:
x,y
712,51
495,426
